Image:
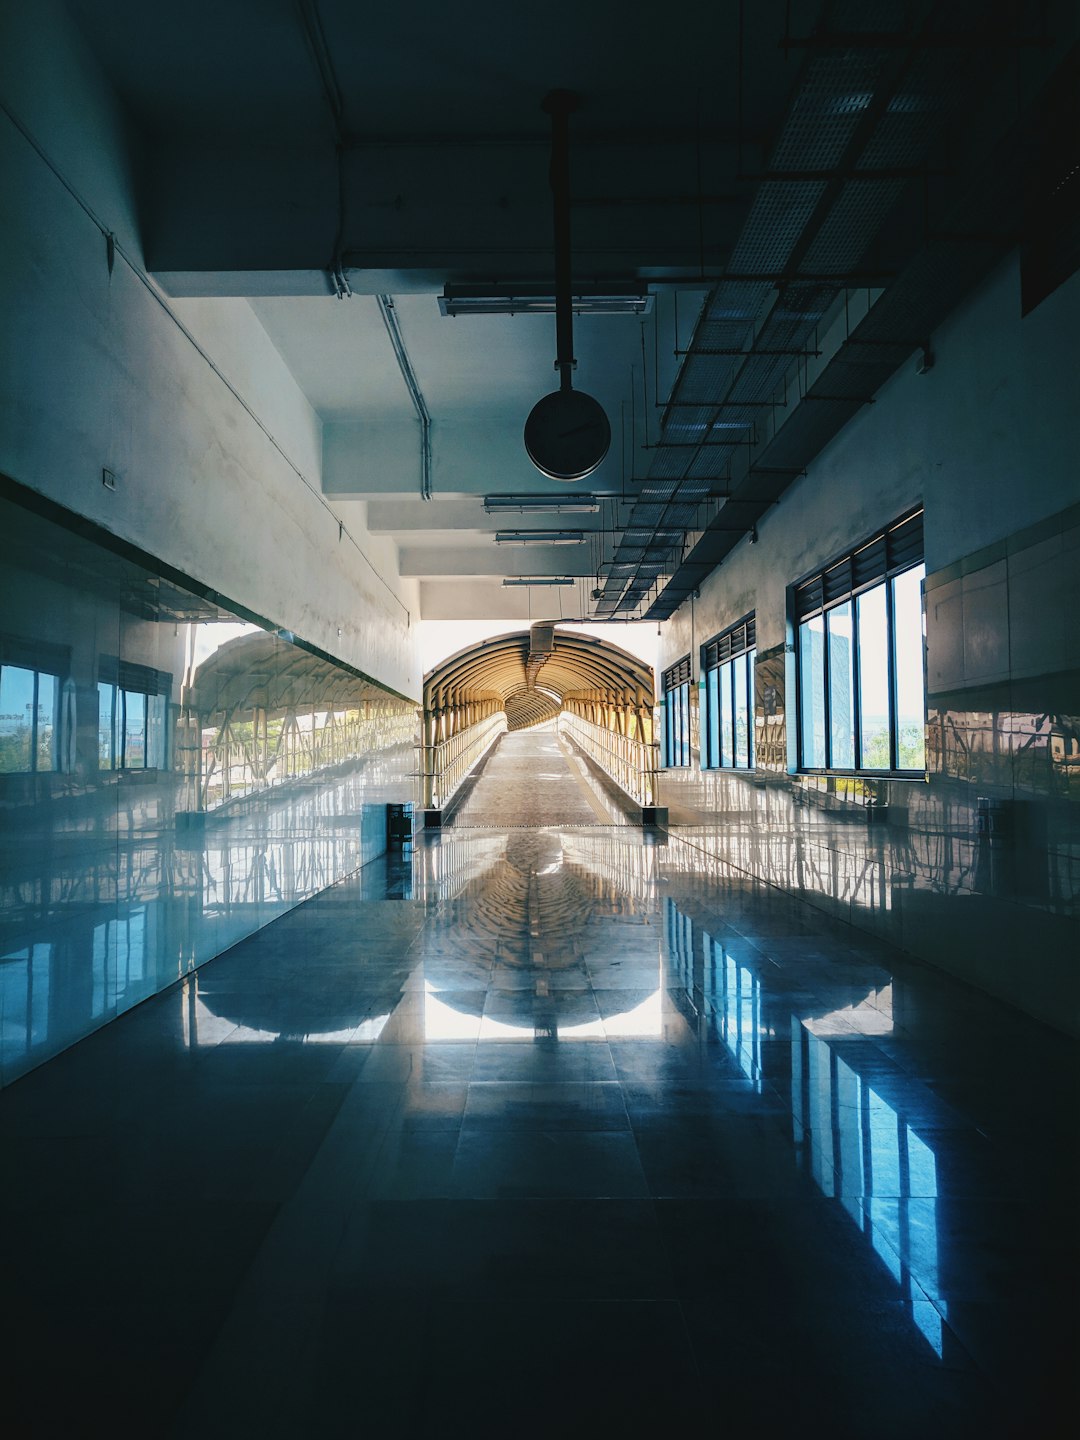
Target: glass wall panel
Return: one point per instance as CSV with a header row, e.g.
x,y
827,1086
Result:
x,y
841,687
873,680
172,778
812,692
908,661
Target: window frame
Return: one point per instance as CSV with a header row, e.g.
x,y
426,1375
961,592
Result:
x,y
45,662
125,680
675,700
876,562
722,653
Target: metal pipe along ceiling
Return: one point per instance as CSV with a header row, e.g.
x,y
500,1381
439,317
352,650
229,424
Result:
x,y
408,374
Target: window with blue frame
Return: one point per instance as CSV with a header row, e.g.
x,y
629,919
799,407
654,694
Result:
x,y
727,667
675,729
132,710
860,656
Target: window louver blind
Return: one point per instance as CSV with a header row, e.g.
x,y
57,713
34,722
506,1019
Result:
x,y
729,643
677,675
895,549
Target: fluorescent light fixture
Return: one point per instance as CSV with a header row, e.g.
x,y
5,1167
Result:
x,y
530,298
552,503
539,537
517,580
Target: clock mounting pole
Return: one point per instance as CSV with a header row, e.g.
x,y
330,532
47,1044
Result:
x,y
560,105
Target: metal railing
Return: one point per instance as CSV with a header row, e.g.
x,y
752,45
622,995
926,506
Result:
x,y
632,764
446,764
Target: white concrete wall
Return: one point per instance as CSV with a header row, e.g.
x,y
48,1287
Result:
x,y
217,452
988,441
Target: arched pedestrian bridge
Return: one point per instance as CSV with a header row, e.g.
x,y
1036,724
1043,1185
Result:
x,y
601,696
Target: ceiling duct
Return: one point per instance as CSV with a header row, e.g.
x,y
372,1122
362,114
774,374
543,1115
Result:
x,y
873,100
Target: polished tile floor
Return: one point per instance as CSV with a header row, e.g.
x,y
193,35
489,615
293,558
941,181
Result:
x,y
541,1131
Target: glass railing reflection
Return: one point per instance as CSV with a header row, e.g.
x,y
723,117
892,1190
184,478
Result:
x,y
211,1016
522,900
619,868
539,1015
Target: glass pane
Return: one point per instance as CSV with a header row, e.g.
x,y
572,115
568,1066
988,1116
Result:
x,y
741,713
727,717
134,730
48,710
873,680
155,731
841,696
684,723
106,701
908,660
812,692
16,718
713,710
751,660
107,935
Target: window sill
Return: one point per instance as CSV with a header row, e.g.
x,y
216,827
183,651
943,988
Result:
x,y
914,777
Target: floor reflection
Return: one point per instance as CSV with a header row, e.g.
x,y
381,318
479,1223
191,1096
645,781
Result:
x,y
527,1084
89,929
854,1144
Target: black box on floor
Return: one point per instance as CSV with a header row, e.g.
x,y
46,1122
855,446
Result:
x,y
399,826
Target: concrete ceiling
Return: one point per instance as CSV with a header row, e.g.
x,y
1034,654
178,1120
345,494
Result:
x,y
402,148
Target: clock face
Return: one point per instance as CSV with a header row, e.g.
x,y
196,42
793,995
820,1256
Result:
x,y
567,435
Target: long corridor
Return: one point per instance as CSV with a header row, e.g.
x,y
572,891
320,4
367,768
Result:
x,y
533,777
543,1129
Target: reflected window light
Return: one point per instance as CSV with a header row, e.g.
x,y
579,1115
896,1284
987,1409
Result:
x,y
443,1022
587,1030
732,998
24,998
30,712
119,961
871,1016
369,1030
645,1020
884,1174
490,1029
928,1318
